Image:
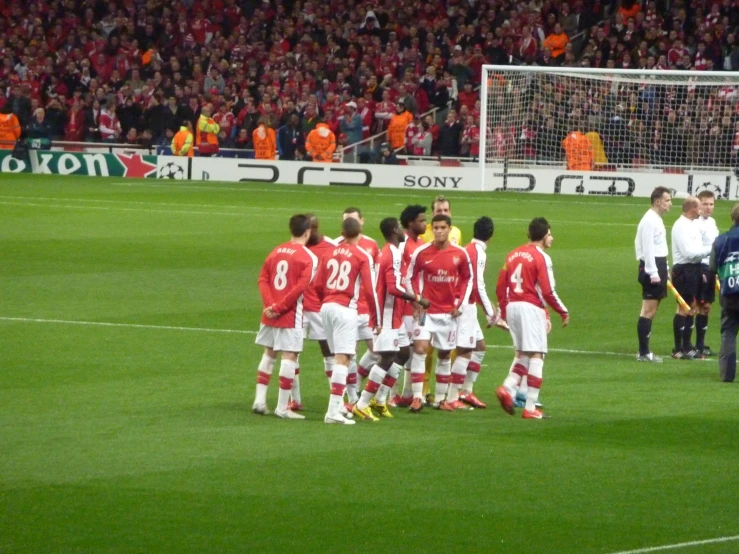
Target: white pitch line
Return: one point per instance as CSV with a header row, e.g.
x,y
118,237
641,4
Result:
x,y
129,325
679,545
570,351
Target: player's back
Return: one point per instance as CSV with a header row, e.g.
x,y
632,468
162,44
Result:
x,y
281,273
478,260
523,267
311,301
369,245
389,279
407,248
340,275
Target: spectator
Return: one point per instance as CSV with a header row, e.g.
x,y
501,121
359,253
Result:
x,y
206,132
422,140
10,128
264,140
132,137
556,41
290,139
129,115
242,140
110,126
56,117
471,138
397,127
468,97
387,156
20,104
92,122
74,130
351,124
450,135
320,144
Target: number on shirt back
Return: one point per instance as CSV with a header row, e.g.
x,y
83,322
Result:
x,y
338,279
280,281
517,278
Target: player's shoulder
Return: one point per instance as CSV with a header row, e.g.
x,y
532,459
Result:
x,y
331,242
370,239
425,247
547,259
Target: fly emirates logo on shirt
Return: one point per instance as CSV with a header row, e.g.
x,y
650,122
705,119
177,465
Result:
x,y
441,276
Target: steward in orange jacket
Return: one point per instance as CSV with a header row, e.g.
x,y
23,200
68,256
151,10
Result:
x,y
265,142
579,151
398,124
321,143
206,134
182,143
10,131
557,41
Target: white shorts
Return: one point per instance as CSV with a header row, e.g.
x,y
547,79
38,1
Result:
x,y
468,327
364,331
403,339
409,323
280,339
340,324
387,341
313,326
440,329
528,325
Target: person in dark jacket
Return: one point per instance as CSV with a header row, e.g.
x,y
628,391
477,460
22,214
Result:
x,y
387,156
290,139
39,128
450,135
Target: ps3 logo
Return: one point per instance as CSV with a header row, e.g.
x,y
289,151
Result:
x,y
619,186
265,173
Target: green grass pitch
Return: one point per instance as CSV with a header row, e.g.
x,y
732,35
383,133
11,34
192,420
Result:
x,y
138,438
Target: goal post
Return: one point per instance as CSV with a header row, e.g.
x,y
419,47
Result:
x,y
594,119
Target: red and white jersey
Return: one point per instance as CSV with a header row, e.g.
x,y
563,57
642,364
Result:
x,y
527,276
369,245
285,275
345,276
407,248
478,260
443,276
390,289
311,302
109,125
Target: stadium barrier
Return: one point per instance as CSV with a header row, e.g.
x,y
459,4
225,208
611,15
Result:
x,y
408,177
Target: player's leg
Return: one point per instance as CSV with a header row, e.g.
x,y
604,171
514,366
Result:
x,y
727,351
296,402
534,379
374,381
328,358
421,344
685,278
459,373
388,384
367,361
340,324
706,297
264,374
651,295
520,366
534,346
467,394
288,365
352,380
406,396
443,379
428,370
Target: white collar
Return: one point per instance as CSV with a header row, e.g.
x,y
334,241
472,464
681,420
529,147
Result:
x,y
484,246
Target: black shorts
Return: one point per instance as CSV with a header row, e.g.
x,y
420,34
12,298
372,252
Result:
x,y
687,279
707,286
651,291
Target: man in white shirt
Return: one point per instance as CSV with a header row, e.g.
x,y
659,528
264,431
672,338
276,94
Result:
x,y
651,251
687,252
707,292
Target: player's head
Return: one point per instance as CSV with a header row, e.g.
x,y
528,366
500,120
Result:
x,y
315,234
300,226
413,218
441,206
483,229
390,229
351,229
708,202
539,231
661,199
441,225
354,213
691,207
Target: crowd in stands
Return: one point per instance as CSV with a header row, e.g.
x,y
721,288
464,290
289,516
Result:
x,y
133,71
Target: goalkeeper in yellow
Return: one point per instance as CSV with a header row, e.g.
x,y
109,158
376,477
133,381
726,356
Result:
x,y
440,206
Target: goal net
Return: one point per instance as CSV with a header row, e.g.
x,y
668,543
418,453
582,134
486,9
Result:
x,y
607,120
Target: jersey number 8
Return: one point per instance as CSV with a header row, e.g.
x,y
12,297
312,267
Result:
x,y
338,279
280,280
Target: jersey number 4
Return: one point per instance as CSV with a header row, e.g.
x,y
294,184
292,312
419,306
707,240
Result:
x,y
338,279
517,278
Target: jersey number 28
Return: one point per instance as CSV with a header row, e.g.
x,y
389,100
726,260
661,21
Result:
x,y
338,279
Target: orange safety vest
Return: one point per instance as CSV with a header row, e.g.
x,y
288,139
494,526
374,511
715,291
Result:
x,y
183,137
321,143
265,143
557,43
396,129
10,131
207,131
579,151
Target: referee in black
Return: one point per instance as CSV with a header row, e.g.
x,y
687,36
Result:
x,y
688,251
651,251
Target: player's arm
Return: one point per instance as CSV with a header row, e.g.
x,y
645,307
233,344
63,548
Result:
x,y
546,284
291,298
265,283
464,288
501,290
479,284
368,290
411,276
647,247
394,282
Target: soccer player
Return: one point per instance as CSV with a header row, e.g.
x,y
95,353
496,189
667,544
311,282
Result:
x,y
284,277
466,368
320,245
525,284
413,220
440,270
364,332
651,251
707,292
345,275
688,251
440,206
392,344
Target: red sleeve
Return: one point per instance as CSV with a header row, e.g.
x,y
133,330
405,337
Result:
x,y
265,286
501,291
465,281
411,277
546,283
368,290
291,298
394,279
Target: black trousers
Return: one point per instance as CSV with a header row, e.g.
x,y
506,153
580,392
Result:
x,y
727,353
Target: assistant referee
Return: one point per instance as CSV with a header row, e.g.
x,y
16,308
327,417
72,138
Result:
x,y
687,252
651,251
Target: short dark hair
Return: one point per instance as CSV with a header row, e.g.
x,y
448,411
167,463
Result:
x,y
441,217
410,213
353,210
299,224
483,229
350,228
388,226
705,193
658,193
538,229
441,198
